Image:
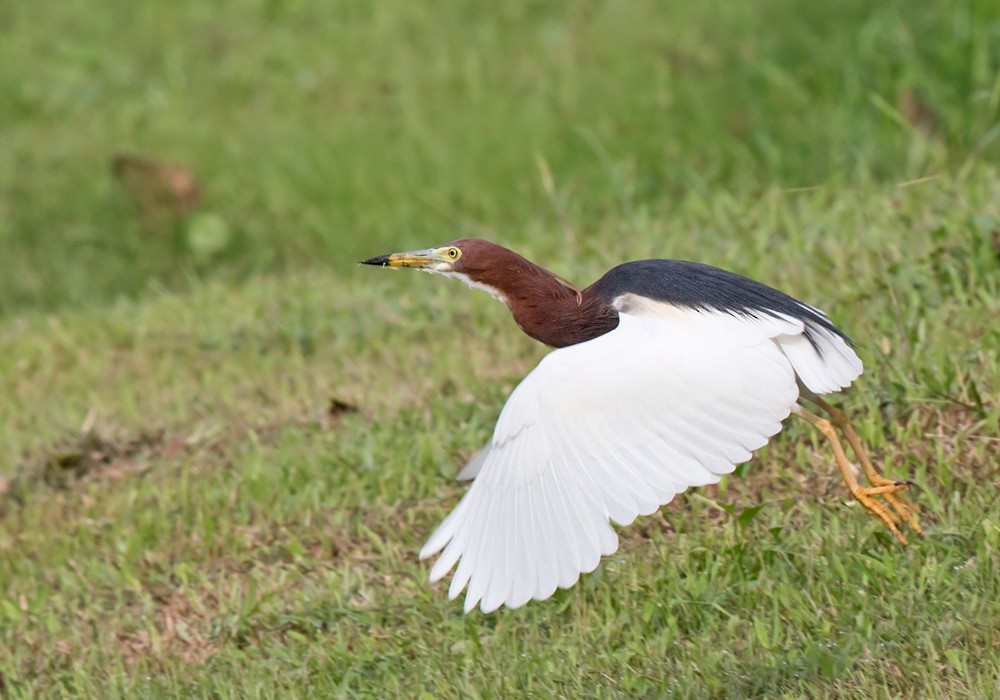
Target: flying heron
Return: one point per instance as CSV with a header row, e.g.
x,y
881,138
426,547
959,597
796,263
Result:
x,y
667,374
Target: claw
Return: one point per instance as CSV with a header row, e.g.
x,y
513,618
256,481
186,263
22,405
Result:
x,y
900,503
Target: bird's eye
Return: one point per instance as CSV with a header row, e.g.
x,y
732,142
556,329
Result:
x,y
454,253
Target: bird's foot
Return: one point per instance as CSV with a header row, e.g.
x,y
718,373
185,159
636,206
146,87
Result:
x,y
890,491
901,506
882,490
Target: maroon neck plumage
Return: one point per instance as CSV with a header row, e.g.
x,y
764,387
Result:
x,y
543,305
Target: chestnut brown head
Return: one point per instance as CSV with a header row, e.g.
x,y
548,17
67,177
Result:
x,y
478,263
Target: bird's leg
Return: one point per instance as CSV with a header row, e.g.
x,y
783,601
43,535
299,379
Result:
x,y
864,496
900,503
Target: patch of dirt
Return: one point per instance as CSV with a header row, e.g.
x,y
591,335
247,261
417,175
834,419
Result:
x,y
194,622
180,629
94,455
109,452
88,456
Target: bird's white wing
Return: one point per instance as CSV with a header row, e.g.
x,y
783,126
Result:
x,y
607,430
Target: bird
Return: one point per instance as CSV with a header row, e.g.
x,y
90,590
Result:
x,y
665,375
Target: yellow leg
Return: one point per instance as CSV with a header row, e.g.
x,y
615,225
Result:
x,y
864,496
906,508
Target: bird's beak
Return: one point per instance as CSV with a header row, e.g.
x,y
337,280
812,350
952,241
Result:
x,y
420,259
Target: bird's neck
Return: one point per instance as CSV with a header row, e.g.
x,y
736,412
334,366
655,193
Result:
x,y
550,312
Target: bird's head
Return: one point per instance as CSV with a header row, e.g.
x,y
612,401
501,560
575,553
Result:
x,y
478,263
546,306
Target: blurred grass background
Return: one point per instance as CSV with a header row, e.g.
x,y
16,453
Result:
x,y
322,132
222,444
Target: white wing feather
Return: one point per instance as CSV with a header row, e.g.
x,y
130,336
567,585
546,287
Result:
x,y
614,428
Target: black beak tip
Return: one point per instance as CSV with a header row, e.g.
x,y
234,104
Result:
x,y
382,260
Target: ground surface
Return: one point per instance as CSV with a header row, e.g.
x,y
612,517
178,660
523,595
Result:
x,y
222,443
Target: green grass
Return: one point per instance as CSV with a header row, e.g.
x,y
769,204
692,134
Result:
x,y
323,132
182,515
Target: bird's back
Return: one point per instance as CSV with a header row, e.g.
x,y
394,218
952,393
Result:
x,y
698,286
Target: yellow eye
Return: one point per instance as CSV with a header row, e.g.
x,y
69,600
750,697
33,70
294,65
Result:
x,y
454,253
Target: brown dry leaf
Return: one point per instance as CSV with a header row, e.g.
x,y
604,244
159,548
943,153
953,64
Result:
x,y
336,407
163,192
915,110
